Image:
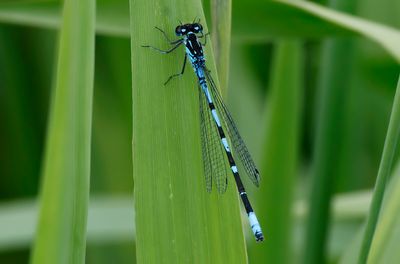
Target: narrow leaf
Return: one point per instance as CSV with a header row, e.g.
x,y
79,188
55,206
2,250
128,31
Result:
x,y
61,234
385,167
177,221
384,247
280,154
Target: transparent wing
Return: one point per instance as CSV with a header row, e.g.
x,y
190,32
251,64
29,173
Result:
x,y
237,141
214,159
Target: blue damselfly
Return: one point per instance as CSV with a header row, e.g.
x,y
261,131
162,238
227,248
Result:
x,y
216,152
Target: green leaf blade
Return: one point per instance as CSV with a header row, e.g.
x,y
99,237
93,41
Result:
x,y
389,151
280,155
384,246
176,219
61,235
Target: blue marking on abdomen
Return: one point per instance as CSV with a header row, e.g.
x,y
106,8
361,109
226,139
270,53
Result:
x,y
204,87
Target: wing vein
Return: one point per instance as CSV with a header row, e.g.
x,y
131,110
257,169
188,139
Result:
x,y
214,159
238,144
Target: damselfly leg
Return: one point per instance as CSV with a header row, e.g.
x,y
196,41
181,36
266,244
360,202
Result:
x,y
172,42
163,51
178,74
177,43
205,38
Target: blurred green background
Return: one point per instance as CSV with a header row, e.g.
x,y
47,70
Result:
x,y
331,121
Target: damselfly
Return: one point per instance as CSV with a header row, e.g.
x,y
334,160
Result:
x,y
215,147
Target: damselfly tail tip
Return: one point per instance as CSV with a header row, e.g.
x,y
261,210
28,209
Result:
x,y
259,236
255,227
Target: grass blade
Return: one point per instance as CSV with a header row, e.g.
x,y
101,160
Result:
x,y
333,100
385,167
280,152
333,104
174,213
384,247
61,235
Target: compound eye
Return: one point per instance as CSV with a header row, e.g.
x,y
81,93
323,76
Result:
x,y
178,31
197,27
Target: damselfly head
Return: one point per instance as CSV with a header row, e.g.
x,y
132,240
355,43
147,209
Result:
x,y
182,30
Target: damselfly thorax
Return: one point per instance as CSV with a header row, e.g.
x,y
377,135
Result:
x,y
194,50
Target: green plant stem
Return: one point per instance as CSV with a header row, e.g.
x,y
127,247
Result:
x,y
328,147
280,157
385,167
333,101
61,233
